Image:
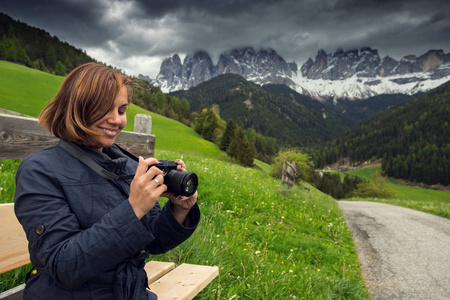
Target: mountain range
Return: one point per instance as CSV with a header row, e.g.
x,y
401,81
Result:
x,y
273,110
353,75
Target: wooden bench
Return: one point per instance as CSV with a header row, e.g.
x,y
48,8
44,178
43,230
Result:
x,y
20,137
168,282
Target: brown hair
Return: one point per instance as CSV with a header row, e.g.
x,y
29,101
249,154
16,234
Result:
x,y
86,95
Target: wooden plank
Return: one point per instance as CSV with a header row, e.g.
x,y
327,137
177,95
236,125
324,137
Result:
x,y
184,282
13,241
20,137
157,269
137,143
15,293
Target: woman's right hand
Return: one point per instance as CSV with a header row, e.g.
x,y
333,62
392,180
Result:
x,y
146,187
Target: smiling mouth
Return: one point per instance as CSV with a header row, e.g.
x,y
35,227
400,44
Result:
x,y
110,132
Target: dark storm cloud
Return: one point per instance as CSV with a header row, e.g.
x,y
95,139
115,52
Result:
x,y
137,35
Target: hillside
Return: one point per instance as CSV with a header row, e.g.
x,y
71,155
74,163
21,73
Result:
x,y
412,138
290,119
36,48
28,90
358,110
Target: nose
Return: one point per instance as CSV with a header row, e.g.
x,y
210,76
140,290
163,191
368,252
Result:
x,y
113,117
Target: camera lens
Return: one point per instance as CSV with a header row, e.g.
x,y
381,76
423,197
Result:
x,y
191,185
181,182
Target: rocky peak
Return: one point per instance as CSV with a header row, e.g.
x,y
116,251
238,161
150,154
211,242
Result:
x,y
341,65
366,62
431,60
171,69
264,66
197,69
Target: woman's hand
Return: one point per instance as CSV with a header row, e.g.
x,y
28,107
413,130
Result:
x,y
146,187
181,205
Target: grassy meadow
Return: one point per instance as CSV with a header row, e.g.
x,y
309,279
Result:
x,y
266,245
26,90
431,201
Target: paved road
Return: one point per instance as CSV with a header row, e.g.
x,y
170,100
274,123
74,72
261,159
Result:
x,y
405,254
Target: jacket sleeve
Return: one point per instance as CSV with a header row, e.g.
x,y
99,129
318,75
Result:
x,y
57,243
167,231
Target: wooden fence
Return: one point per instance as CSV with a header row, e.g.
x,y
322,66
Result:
x,y
21,136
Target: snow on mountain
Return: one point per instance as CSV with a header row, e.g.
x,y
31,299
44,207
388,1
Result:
x,y
355,88
354,74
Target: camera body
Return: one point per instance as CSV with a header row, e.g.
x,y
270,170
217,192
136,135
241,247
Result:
x,y
180,183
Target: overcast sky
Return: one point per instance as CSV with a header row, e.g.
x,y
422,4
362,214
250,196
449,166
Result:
x,y
137,35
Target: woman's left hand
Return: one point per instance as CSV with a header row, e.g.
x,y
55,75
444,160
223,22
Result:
x,y
181,204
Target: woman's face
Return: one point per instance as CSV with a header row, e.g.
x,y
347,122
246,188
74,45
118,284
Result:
x,y
113,122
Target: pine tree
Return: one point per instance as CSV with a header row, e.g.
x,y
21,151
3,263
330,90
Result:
x,y
240,149
60,69
50,57
228,135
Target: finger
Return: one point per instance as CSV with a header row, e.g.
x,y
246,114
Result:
x,y
180,163
144,164
141,168
161,189
159,179
152,170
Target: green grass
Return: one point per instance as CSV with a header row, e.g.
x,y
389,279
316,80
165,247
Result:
x,y
26,90
427,200
172,135
263,166
266,245
8,169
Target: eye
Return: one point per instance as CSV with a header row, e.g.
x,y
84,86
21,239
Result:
x,y
122,110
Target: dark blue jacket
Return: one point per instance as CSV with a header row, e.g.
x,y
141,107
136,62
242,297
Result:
x,y
85,241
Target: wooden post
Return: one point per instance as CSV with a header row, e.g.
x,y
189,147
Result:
x,y
288,175
143,124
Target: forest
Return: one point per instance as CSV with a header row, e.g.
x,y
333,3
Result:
x,y
412,138
37,49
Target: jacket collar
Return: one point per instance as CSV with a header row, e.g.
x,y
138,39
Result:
x,y
111,159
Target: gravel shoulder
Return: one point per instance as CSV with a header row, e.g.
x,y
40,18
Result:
x,y
404,253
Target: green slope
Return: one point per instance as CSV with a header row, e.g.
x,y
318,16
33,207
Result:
x,y
26,91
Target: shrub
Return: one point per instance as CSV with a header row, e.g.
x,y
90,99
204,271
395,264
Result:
x,y
378,188
302,160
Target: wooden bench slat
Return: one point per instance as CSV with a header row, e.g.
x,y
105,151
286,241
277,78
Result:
x,y
157,269
13,242
15,293
186,280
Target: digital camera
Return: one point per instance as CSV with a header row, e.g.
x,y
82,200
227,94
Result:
x,y
180,183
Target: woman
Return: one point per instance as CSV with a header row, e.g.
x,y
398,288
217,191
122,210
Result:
x,y
89,235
